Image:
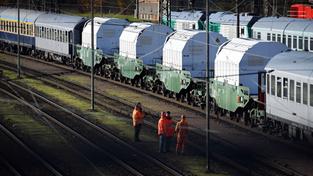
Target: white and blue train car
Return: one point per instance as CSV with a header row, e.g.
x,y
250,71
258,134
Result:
x,y
57,34
107,32
289,95
297,34
9,27
239,61
144,41
186,50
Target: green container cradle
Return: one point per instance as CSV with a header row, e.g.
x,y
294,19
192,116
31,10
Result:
x,y
229,97
173,80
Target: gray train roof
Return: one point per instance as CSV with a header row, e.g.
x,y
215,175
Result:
x,y
298,26
25,15
294,62
59,21
218,16
186,15
231,18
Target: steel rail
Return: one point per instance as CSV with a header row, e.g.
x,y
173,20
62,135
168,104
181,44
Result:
x,y
10,167
26,147
172,171
68,129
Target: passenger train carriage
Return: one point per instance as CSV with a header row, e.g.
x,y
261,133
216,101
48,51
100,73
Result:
x,y
289,92
9,32
57,35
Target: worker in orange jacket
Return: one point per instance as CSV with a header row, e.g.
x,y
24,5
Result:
x,y
137,116
181,131
170,130
161,133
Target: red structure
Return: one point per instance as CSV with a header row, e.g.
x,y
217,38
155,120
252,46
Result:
x,y
301,11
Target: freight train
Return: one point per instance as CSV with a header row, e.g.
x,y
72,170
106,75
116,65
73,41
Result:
x,y
258,82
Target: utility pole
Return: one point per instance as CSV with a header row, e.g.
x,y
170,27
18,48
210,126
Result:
x,y
92,58
101,10
238,19
18,41
208,152
165,10
137,9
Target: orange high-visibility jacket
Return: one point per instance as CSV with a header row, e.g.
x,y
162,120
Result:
x,y
170,129
137,117
181,129
161,126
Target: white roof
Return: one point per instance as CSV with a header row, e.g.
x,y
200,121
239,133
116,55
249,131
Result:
x,y
294,62
98,22
143,40
186,15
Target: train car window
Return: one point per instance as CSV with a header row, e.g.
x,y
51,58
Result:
x,y
300,43
61,36
298,92
289,41
71,36
311,94
305,93
259,35
57,35
306,43
65,37
268,36
52,34
279,87
294,42
292,90
9,26
311,44
242,31
274,37
268,84
273,85
279,37
285,88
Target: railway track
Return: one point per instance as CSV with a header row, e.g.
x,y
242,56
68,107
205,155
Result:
x,y
23,160
135,161
261,164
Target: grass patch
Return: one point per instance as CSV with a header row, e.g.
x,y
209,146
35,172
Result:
x,y
75,79
12,114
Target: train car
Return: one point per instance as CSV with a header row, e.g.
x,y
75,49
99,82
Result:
x,y
57,35
289,95
226,24
107,32
141,46
297,34
9,32
193,20
184,60
239,65
215,20
304,11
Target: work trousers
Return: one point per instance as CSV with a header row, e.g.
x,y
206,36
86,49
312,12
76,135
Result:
x,y
169,140
137,132
162,143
